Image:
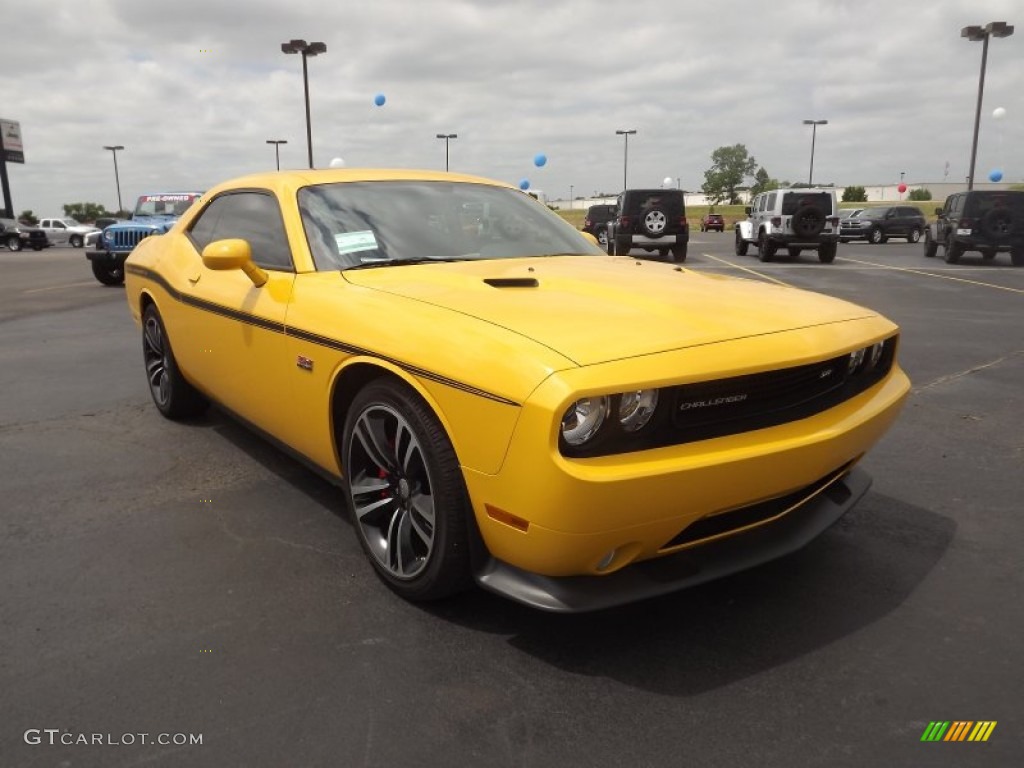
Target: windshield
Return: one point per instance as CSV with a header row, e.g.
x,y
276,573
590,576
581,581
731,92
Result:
x,y
165,205
382,223
873,213
71,222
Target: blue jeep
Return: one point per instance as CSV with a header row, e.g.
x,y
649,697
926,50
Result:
x,y
154,215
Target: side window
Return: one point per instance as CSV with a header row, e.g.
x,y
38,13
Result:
x,y
251,216
770,201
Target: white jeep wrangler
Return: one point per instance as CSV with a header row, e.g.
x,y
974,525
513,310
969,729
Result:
x,y
794,219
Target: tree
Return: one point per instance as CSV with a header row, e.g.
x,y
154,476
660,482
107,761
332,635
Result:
x,y
730,165
855,195
763,182
28,218
919,194
85,211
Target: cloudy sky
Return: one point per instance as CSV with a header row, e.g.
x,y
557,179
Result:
x,y
194,89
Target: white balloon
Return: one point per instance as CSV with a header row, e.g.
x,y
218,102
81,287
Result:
x,y
337,163
667,181
999,113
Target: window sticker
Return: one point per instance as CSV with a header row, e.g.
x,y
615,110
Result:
x,y
351,242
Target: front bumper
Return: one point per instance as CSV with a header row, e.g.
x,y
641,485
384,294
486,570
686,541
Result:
x,y
689,567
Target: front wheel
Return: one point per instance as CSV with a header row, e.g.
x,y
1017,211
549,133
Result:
x,y
741,244
930,246
75,241
108,274
173,396
406,493
876,237
14,243
914,236
1017,257
953,252
765,248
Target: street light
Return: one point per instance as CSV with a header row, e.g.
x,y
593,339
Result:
x,y
625,159
117,179
814,133
902,174
570,197
306,49
974,34
277,149
446,136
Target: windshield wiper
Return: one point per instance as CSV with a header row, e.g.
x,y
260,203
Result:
x,y
404,262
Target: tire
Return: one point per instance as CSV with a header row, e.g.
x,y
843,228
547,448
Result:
x,y
793,251
654,222
807,222
107,274
173,396
1017,257
997,223
406,493
602,238
623,245
37,247
663,252
914,236
930,246
14,243
876,236
953,252
76,241
741,244
827,252
679,253
765,248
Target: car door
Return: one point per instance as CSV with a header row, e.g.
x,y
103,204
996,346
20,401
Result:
x,y
235,328
55,230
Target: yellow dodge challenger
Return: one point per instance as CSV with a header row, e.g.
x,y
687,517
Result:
x,y
499,400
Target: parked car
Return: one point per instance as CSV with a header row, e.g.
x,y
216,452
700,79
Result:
x,y
877,225
652,219
17,236
92,240
845,213
596,222
66,231
154,214
794,219
987,221
682,427
712,221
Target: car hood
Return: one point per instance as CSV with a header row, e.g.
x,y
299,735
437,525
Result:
x,y
597,309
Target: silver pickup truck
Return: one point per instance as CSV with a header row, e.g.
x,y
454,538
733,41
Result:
x,y
66,231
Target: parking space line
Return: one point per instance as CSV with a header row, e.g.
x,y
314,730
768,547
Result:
x,y
746,269
59,287
932,274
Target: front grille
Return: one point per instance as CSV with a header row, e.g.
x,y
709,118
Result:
x,y
705,410
754,514
126,239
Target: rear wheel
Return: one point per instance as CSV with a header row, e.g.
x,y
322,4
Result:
x,y
741,244
765,248
953,252
679,253
914,236
622,246
108,274
602,238
406,493
827,252
173,396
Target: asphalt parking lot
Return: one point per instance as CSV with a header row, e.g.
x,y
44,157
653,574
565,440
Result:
x,y
164,578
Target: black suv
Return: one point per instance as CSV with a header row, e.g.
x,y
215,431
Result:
x,y
876,225
985,221
652,219
596,222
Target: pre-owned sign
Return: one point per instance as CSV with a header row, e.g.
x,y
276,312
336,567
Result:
x,y
10,141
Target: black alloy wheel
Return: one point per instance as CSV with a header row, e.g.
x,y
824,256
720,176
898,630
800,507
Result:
x,y
406,493
173,396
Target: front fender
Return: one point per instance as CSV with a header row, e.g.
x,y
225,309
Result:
x,y
746,229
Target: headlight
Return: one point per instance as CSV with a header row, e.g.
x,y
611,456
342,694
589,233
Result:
x,y
855,361
108,235
636,408
875,354
583,419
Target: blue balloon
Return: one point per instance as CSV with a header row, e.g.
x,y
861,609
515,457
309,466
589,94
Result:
x,y
540,159
524,184
995,175
379,99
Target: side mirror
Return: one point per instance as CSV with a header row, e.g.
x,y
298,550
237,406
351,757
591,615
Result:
x,y
938,211
747,210
234,253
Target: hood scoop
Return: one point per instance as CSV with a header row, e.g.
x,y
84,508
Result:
x,y
512,282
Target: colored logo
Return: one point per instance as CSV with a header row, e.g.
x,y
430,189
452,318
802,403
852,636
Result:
x,y
958,730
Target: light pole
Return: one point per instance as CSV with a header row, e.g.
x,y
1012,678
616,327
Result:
x,y
625,158
570,197
277,149
974,34
117,179
902,174
306,49
814,133
446,137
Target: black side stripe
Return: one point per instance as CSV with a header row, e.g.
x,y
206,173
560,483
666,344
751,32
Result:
x,y
313,338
